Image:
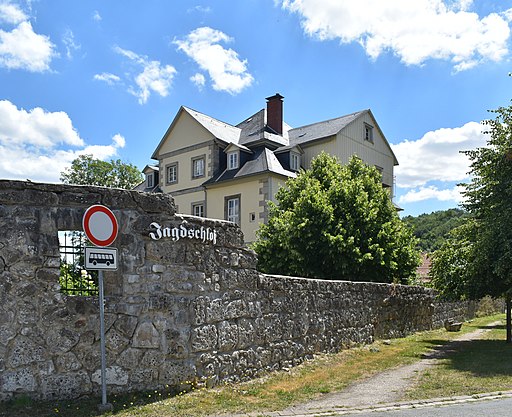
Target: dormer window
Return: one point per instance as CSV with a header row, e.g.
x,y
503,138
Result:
x,y
233,160
368,133
294,161
150,180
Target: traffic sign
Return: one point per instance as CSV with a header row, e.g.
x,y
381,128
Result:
x,y
100,225
100,258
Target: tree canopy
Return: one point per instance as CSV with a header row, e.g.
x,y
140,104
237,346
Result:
x,y
433,229
86,170
336,222
477,259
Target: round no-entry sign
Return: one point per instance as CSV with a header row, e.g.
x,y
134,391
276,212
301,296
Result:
x,y
100,225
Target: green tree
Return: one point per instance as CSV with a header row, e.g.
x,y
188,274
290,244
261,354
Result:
x,y
483,248
433,229
336,222
86,170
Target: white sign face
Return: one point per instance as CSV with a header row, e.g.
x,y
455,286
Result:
x,y
100,225
100,258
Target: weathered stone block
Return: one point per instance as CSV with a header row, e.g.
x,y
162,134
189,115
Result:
x,y
153,359
204,338
126,324
114,375
25,351
174,373
67,362
146,336
62,340
130,358
215,311
228,336
115,341
236,309
22,380
246,333
158,269
69,385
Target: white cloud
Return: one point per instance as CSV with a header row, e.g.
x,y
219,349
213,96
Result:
x,y
199,80
69,42
436,156
415,31
36,127
200,9
154,76
107,77
96,16
11,13
39,145
432,192
119,141
226,70
22,48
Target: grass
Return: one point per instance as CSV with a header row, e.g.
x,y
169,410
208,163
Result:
x,y
324,374
475,367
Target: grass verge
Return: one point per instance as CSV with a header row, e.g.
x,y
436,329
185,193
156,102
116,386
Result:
x,y
477,366
324,374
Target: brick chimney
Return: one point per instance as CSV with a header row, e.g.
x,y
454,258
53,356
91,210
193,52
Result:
x,y
275,113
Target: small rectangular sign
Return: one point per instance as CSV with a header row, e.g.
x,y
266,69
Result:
x,y
100,258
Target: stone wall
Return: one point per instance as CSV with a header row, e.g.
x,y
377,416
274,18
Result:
x,y
188,308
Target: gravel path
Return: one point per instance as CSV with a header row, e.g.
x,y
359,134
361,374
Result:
x,y
384,388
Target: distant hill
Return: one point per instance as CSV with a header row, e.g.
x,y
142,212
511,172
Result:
x,y
432,229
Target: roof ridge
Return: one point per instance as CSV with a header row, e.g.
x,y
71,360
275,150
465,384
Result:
x,y
330,120
190,109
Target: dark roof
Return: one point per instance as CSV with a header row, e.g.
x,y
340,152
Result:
x,y
321,130
254,130
264,161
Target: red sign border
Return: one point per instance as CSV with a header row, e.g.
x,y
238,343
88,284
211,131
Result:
x,y
85,224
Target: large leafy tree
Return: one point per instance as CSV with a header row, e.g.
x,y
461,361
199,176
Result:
x,y
483,247
336,222
86,170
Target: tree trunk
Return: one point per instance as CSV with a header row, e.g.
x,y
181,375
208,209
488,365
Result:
x,y
509,319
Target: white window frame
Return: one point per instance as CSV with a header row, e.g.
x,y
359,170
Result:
x,y
198,167
233,159
233,209
294,161
198,209
170,168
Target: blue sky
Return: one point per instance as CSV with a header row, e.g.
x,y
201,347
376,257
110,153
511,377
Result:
x,y
107,78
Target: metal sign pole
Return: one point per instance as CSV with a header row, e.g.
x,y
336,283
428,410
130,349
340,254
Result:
x,y
100,227
104,405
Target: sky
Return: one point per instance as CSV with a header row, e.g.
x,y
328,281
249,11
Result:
x,y
107,78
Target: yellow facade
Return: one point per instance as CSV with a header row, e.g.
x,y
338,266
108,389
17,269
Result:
x,y
252,202
195,139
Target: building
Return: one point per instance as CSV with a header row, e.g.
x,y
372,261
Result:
x,y
217,170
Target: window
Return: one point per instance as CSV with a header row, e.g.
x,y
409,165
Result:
x,y
198,167
233,160
294,161
252,217
232,209
74,278
172,173
198,209
368,133
150,180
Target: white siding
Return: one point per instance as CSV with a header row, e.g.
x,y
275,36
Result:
x,y
350,141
